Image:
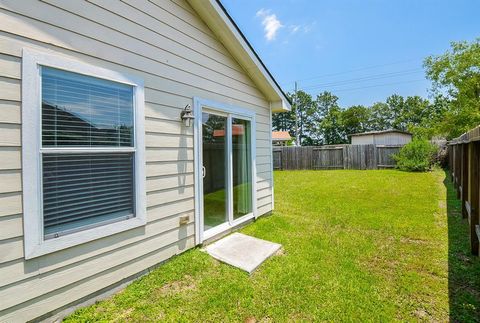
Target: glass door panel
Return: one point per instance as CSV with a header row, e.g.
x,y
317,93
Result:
x,y
241,168
215,170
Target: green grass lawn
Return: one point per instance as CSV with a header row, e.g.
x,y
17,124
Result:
x,y
358,246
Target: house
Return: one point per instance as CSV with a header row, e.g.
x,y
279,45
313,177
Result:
x,y
280,138
116,124
385,137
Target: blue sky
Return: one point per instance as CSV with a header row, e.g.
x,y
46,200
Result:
x,y
362,51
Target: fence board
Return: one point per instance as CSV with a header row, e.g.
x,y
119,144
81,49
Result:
x,y
334,157
464,164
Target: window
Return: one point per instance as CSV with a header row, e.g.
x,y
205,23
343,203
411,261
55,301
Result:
x,y
83,154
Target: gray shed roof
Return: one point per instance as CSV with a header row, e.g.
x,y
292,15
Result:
x,y
380,132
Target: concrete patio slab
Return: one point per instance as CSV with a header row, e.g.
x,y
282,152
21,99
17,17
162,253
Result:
x,y
242,251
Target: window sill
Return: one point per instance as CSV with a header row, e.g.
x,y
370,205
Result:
x,y
77,238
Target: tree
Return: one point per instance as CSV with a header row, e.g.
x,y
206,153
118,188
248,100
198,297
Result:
x,y
332,129
284,121
456,75
324,103
416,109
381,117
356,119
396,105
305,110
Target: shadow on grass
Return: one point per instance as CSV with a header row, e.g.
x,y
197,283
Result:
x,y
463,267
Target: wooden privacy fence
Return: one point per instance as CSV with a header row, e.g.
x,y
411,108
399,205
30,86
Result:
x,y
334,157
464,162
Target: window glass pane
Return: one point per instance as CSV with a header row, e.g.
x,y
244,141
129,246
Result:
x,y
84,190
80,110
214,145
242,167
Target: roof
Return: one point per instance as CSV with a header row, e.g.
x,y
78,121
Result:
x,y
380,132
222,25
281,136
237,130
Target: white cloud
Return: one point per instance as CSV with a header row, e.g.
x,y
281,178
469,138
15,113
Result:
x,y
270,23
304,28
294,28
307,28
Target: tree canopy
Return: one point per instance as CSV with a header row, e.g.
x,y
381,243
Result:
x,y
455,77
323,122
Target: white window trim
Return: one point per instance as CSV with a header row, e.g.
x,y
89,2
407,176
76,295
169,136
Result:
x,y
230,111
34,243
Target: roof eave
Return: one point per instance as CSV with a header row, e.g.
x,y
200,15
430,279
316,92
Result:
x,y
215,16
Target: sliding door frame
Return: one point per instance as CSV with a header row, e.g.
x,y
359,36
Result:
x,y
231,111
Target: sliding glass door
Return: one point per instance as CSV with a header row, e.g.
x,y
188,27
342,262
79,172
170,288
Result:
x,y
214,170
242,170
227,172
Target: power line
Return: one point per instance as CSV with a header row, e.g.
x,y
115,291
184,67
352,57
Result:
x,y
376,85
365,78
358,69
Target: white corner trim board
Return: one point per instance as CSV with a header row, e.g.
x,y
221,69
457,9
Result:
x,y
35,244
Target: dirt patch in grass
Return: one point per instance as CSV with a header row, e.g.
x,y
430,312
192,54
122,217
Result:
x,y
412,240
176,287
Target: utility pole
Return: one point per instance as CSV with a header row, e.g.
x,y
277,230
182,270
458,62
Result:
x,y
295,104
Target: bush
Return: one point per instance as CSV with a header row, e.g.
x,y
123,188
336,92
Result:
x,y
416,156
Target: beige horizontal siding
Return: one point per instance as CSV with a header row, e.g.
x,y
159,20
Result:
x,y
178,57
91,284
9,134
9,111
10,158
183,11
146,22
11,181
11,203
28,27
264,192
11,249
81,255
169,154
264,184
10,66
263,176
12,227
263,209
10,89
264,201
263,159
161,218
32,288
158,90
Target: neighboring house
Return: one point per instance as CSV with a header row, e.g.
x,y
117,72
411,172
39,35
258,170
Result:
x,y
101,178
386,137
280,138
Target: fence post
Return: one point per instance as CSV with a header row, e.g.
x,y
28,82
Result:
x,y
458,170
464,178
452,164
473,195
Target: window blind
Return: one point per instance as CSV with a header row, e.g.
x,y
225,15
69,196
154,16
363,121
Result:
x,y
82,190
80,110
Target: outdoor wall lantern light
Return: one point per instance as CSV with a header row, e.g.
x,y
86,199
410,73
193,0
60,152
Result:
x,y
187,115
